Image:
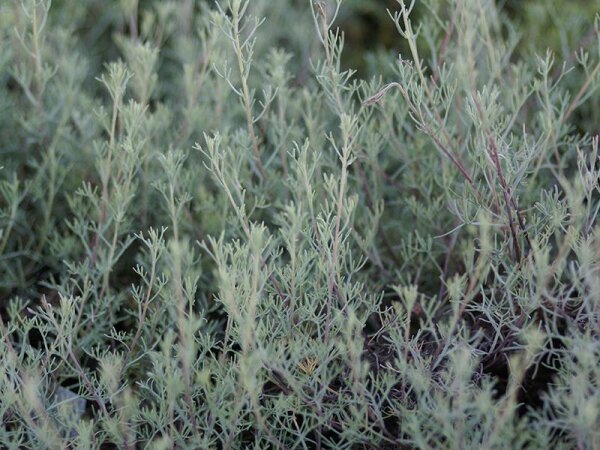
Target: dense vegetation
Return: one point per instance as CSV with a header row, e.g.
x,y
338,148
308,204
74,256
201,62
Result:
x,y
215,234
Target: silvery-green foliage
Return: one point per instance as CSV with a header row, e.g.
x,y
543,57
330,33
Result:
x,y
215,234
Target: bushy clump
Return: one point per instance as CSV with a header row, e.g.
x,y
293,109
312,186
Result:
x,y
215,235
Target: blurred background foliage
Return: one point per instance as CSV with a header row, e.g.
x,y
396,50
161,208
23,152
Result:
x,y
559,25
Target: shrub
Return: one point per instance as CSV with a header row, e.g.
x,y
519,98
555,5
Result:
x,y
215,235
